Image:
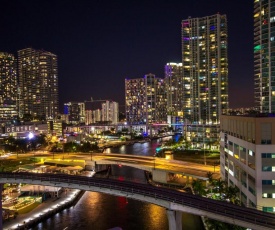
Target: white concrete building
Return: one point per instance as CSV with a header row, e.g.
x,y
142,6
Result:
x,y
110,112
247,147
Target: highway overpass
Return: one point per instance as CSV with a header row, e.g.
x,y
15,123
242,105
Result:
x,y
174,201
159,167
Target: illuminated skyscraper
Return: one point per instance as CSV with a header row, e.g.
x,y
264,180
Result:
x,y
205,68
110,112
174,88
38,81
145,100
264,55
8,86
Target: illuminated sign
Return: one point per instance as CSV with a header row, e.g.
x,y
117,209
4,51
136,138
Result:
x,y
19,129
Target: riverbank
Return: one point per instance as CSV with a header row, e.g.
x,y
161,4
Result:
x,y
45,210
119,143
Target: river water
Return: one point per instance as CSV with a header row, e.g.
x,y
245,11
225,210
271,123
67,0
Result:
x,y
98,211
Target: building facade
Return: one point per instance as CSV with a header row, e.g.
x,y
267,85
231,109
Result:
x,y
202,136
174,88
145,100
88,117
110,112
247,156
38,82
101,112
75,112
264,55
8,86
205,68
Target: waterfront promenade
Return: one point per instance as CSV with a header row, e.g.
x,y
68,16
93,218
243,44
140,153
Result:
x,y
50,206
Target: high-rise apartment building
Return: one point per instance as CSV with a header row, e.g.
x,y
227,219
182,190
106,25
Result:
x,y
81,112
97,116
75,112
8,86
88,117
101,112
38,81
264,55
110,112
205,68
174,88
145,100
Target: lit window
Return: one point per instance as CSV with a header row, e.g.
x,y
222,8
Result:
x,y
231,172
251,153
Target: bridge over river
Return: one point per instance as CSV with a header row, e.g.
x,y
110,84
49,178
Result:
x,y
174,201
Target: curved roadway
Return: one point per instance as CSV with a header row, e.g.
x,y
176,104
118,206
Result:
x,y
243,216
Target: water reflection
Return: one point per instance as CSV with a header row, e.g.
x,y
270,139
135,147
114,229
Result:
x,y
143,149
99,211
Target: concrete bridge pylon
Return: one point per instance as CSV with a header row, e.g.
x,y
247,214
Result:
x,y
174,219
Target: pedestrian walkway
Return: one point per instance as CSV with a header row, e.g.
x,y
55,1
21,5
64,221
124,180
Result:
x,y
50,205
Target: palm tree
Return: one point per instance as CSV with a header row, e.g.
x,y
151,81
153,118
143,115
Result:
x,y
219,186
231,193
198,187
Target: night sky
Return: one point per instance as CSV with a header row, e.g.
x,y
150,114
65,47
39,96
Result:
x,y
100,43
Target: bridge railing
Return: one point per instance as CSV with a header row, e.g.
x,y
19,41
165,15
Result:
x,y
130,188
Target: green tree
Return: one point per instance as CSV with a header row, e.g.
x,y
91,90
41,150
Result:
x,y
21,145
231,194
87,147
187,145
41,139
9,144
198,187
217,225
219,186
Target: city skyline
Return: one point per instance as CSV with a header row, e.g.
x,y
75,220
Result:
x,y
99,44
